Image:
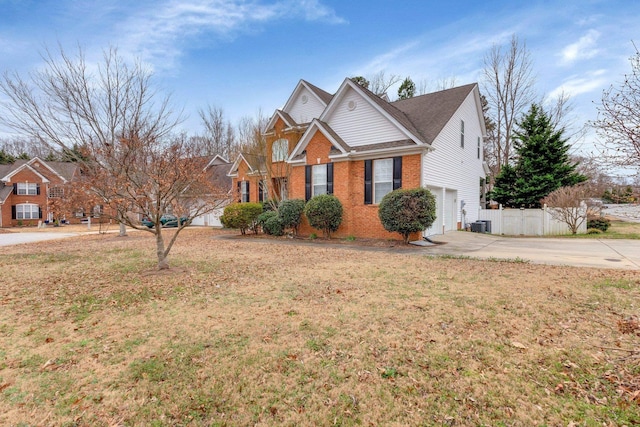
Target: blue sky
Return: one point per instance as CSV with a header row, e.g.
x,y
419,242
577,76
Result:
x,y
248,55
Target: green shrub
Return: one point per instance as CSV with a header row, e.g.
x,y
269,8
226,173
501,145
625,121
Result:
x,y
290,212
242,215
271,223
324,212
594,231
601,224
407,211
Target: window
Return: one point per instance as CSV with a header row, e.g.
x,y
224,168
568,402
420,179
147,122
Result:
x,y
279,150
462,133
244,191
382,179
263,194
478,147
280,188
318,179
27,188
56,192
97,211
27,211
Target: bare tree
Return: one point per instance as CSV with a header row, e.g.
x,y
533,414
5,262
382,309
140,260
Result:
x,y
380,82
131,161
568,204
618,122
219,137
508,85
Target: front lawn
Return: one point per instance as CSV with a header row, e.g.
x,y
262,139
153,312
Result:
x,y
259,333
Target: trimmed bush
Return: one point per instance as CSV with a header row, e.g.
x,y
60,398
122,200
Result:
x,y
407,211
242,215
271,223
594,231
324,212
290,212
601,224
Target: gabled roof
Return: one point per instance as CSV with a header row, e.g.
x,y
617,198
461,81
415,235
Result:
x,y
431,112
321,95
217,160
65,170
15,170
5,191
255,163
325,129
48,166
395,116
286,118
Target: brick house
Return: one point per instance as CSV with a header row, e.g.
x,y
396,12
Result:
x,y
29,189
359,146
217,169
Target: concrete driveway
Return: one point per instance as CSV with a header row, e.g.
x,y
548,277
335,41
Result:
x,y
599,253
7,239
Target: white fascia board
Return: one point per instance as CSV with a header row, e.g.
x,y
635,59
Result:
x,y
30,162
7,178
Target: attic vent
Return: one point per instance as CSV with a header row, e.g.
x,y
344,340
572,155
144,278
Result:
x,y
351,105
305,99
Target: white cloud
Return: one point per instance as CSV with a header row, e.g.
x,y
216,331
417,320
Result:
x,y
577,85
584,48
159,33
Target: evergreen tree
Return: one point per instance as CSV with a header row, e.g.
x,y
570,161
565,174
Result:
x,y
542,163
407,89
6,158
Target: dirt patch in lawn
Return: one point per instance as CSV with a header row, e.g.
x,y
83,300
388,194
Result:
x,y
241,332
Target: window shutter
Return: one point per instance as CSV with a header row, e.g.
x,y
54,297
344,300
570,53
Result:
x,y
15,188
260,191
13,211
368,189
397,173
329,178
39,213
307,182
239,191
38,190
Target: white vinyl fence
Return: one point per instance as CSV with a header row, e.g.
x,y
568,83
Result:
x,y
527,222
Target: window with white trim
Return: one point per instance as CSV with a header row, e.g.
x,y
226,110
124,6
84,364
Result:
x,y
279,150
319,179
244,191
382,179
27,211
27,188
461,133
56,192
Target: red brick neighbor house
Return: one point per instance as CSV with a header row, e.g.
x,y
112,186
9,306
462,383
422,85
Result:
x,y
359,147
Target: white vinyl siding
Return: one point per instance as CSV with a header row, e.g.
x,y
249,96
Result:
x,y
319,179
27,188
382,179
362,125
304,112
454,173
27,211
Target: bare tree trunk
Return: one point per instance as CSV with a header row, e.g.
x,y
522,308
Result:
x,y
163,260
123,229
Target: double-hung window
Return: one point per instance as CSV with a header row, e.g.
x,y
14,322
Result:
x,y
318,180
279,150
27,211
27,188
381,177
244,191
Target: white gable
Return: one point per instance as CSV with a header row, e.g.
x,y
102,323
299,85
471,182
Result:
x,y
359,123
305,106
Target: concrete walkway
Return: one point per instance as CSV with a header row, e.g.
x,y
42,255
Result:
x,y
599,253
7,239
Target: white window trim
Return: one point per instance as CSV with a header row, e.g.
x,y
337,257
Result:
x,y
375,181
461,133
27,189
21,210
279,150
316,182
244,192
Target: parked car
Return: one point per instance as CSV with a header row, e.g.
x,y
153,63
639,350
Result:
x,y
166,221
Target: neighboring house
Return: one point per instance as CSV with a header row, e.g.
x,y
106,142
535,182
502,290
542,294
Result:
x,y
359,147
217,169
249,175
29,189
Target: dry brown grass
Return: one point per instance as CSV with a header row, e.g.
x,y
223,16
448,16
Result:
x,y
241,332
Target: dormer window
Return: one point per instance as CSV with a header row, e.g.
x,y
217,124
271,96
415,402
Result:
x,y
279,150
